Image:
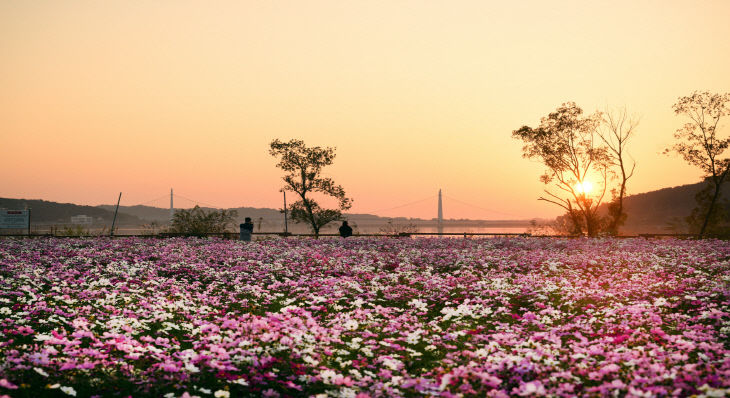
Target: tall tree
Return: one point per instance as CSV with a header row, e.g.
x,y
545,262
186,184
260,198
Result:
x,y
304,167
565,142
700,145
616,130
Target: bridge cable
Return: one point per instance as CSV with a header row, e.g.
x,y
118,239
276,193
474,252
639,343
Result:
x,y
481,208
403,205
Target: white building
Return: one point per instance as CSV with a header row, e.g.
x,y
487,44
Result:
x,y
82,220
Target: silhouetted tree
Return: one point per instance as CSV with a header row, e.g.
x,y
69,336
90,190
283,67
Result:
x,y
616,129
304,166
700,145
198,222
565,142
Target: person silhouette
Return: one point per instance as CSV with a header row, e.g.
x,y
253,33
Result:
x,y
345,230
246,229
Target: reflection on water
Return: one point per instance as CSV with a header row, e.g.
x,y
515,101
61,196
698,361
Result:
x,y
478,230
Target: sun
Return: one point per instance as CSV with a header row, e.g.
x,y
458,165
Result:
x,y
584,187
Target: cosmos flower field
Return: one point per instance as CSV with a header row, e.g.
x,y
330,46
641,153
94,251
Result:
x,y
364,317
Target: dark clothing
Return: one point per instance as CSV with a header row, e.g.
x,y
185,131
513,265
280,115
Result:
x,y
246,230
248,226
345,231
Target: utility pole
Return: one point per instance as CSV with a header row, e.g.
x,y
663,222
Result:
x,y
286,223
116,210
172,209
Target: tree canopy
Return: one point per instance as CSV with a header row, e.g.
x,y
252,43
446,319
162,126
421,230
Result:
x,y
699,144
304,167
565,142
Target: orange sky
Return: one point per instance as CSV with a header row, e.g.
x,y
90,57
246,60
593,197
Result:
x,y
98,97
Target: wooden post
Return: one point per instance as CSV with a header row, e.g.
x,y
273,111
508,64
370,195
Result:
x,y
116,210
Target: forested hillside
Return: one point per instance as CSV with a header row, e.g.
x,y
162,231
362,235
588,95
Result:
x,y
60,213
663,210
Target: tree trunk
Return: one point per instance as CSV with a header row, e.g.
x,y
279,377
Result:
x,y
620,210
575,219
590,225
711,208
311,218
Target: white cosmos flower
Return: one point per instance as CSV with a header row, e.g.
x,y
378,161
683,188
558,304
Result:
x,y
481,353
327,376
41,372
351,324
414,337
418,304
42,337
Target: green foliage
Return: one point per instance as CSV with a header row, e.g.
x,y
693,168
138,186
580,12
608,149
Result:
x,y
308,211
198,222
304,167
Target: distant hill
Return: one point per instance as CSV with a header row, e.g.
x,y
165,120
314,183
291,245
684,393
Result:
x,y
45,212
160,215
144,213
658,211
266,219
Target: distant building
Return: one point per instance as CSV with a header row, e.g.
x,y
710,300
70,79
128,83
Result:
x,y
82,220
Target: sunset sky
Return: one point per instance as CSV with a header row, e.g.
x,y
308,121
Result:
x,y
98,97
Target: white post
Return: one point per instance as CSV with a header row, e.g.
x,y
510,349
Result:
x,y
441,216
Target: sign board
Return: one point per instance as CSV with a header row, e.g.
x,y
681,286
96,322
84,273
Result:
x,y
14,219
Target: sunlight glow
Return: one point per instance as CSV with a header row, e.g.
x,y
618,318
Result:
x,y
584,187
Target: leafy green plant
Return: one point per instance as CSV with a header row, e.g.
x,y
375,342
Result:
x,y
198,222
